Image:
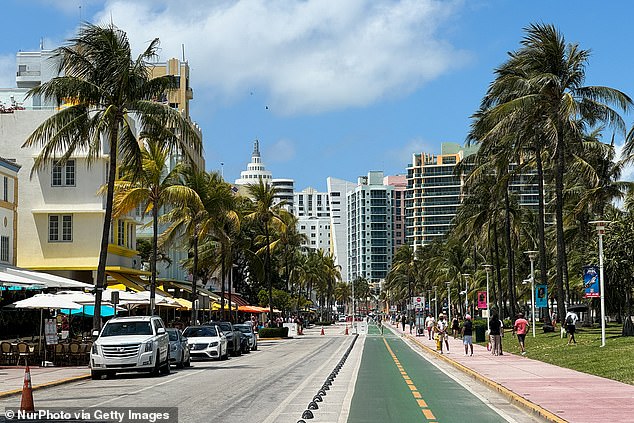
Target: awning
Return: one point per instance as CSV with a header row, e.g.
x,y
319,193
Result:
x,y
185,286
40,278
252,309
127,280
8,279
185,304
236,299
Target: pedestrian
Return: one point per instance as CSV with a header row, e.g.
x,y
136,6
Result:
x,y
411,324
495,332
430,322
467,334
403,320
455,327
571,322
442,327
520,327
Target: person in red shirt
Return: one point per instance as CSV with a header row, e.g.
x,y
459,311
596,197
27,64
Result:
x,y
521,329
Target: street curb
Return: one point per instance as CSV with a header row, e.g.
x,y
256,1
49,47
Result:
x,y
518,399
45,385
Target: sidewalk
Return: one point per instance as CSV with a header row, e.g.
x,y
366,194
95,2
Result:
x,y
556,393
12,378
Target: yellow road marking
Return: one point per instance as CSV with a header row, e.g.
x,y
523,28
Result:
x,y
419,399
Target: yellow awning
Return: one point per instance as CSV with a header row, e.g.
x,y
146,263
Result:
x,y
126,280
185,304
216,306
187,287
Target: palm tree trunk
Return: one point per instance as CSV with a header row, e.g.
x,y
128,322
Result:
x,y
100,283
267,270
559,216
498,271
153,258
222,282
194,316
509,251
230,256
543,259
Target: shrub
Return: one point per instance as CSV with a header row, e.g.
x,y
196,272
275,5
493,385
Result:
x,y
273,333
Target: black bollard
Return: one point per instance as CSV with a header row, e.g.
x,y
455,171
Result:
x,y
307,414
312,405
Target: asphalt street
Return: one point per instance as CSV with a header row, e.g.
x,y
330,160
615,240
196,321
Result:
x,y
249,388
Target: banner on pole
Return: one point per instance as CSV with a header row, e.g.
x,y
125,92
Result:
x,y
591,282
541,296
482,300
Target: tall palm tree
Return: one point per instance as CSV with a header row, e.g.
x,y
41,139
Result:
x,y
109,89
191,224
266,215
152,186
550,95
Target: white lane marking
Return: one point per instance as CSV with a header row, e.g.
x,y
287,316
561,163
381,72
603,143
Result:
x,y
299,389
486,401
347,401
186,374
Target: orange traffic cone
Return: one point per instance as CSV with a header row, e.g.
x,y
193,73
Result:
x,y
346,329
27,392
322,330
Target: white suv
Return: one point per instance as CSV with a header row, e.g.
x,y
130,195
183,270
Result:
x,y
130,344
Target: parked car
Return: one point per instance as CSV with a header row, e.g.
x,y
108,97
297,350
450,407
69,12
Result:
x,y
233,337
130,344
207,341
179,348
247,331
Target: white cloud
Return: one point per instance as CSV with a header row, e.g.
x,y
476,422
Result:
x,y
308,56
280,152
403,155
7,71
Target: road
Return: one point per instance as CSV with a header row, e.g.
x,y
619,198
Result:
x,y
383,380
243,389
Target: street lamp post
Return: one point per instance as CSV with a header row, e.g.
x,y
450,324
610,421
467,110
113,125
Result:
x,y
448,301
466,292
487,268
532,255
600,224
436,302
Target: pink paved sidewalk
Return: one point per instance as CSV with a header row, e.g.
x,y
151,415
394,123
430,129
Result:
x,y
569,394
12,377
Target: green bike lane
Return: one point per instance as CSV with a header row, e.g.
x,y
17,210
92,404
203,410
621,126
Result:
x,y
395,384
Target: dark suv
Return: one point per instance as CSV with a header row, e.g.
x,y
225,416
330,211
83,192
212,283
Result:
x,y
233,337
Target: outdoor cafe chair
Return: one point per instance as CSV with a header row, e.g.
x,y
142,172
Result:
x,y
75,353
60,354
25,352
8,355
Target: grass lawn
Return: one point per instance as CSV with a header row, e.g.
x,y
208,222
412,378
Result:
x,y
614,361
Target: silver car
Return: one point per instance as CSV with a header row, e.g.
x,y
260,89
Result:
x,y
179,348
247,330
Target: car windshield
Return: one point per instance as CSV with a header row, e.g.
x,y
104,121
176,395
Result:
x,y
127,328
173,335
243,329
224,325
200,331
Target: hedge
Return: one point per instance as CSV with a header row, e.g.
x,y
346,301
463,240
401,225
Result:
x,y
273,333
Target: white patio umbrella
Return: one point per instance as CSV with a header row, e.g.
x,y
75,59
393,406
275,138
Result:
x,y
46,301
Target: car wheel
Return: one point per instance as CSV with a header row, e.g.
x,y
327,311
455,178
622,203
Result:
x,y
96,374
225,356
188,363
180,363
111,374
166,368
156,370
255,348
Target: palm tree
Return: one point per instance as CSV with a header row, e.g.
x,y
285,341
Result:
x,y
191,223
109,89
152,186
550,95
343,293
266,215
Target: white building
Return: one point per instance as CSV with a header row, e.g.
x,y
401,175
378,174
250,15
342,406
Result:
x,y
8,210
370,230
337,191
312,210
255,169
285,189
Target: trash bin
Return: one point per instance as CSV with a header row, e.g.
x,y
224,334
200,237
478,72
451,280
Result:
x,y
480,333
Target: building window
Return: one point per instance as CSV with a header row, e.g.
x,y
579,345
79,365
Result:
x,y
4,249
63,175
121,232
5,184
63,232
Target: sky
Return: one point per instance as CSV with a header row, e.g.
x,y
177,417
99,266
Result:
x,y
331,87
